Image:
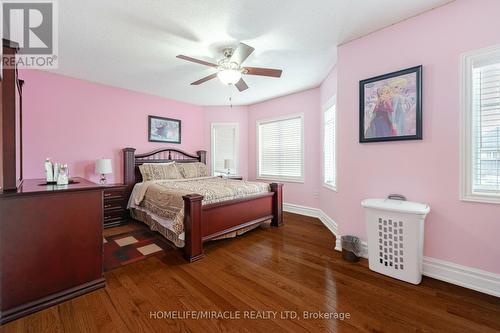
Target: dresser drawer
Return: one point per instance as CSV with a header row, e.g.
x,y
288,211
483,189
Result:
x,y
114,204
114,215
115,193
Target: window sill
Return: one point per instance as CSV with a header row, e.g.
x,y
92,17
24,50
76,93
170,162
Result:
x,y
284,180
482,198
330,187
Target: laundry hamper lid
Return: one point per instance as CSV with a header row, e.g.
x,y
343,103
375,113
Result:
x,y
399,206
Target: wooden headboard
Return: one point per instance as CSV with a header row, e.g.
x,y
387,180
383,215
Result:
x,y
131,161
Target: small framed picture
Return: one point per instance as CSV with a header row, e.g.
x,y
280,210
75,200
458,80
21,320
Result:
x,y
390,106
164,129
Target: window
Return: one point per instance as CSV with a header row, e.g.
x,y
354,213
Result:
x,y
329,165
225,137
280,149
481,125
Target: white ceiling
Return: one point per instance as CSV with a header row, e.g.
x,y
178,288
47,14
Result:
x,y
132,44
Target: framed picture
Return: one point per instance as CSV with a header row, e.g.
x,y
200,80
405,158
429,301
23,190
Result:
x,y
164,129
390,106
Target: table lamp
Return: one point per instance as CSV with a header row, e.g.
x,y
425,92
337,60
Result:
x,y
103,167
228,165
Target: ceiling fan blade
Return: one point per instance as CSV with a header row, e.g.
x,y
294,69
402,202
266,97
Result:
x,y
263,71
241,53
241,85
198,61
205,79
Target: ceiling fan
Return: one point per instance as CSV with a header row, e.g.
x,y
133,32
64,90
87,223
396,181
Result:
x,y
229,69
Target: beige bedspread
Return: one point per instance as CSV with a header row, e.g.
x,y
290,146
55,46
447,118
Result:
x,y
163,198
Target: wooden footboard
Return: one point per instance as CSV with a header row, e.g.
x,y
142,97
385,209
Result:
x,y
202,223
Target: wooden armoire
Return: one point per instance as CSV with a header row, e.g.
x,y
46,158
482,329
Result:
x,y
11,163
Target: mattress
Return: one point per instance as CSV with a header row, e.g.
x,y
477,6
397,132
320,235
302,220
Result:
x,y
159,203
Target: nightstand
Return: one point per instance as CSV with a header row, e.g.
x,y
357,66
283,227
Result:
x,y
115,205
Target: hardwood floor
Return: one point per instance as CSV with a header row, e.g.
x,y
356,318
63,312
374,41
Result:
x,y
292,268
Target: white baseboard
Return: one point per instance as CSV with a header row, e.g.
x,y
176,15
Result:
x,y
338,244
313,212
464,276
329,223
364,249
468,277
301,210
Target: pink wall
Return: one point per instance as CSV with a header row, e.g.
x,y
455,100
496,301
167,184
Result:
x,y
76,122
308,103
225,114
426,171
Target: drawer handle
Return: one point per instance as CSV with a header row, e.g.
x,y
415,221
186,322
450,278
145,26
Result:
x,y
107,217
107,206
107,194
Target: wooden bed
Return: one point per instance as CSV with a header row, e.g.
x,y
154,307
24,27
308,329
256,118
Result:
x,y
203,223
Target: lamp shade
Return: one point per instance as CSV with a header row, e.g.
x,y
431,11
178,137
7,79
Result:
x,y
103,166
228,164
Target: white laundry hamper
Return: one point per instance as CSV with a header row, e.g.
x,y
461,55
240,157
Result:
x,y
395,230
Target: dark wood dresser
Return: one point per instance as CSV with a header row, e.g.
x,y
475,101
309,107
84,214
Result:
x,y
115,205
50,245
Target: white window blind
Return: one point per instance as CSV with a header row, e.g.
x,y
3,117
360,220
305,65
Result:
x,y
224,147
486,126
480,125
329,167
280,148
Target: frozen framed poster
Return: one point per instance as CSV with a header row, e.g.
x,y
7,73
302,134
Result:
x,y
390,106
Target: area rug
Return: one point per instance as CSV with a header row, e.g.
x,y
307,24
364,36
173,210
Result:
x,y
129,247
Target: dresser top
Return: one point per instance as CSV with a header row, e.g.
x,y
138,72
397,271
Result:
x,y
38,186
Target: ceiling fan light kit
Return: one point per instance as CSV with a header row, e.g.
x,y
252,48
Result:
x,y
229,69
229,76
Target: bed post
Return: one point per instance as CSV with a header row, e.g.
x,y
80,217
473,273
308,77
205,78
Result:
x,y
277,220
193,246
129,166
202,156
